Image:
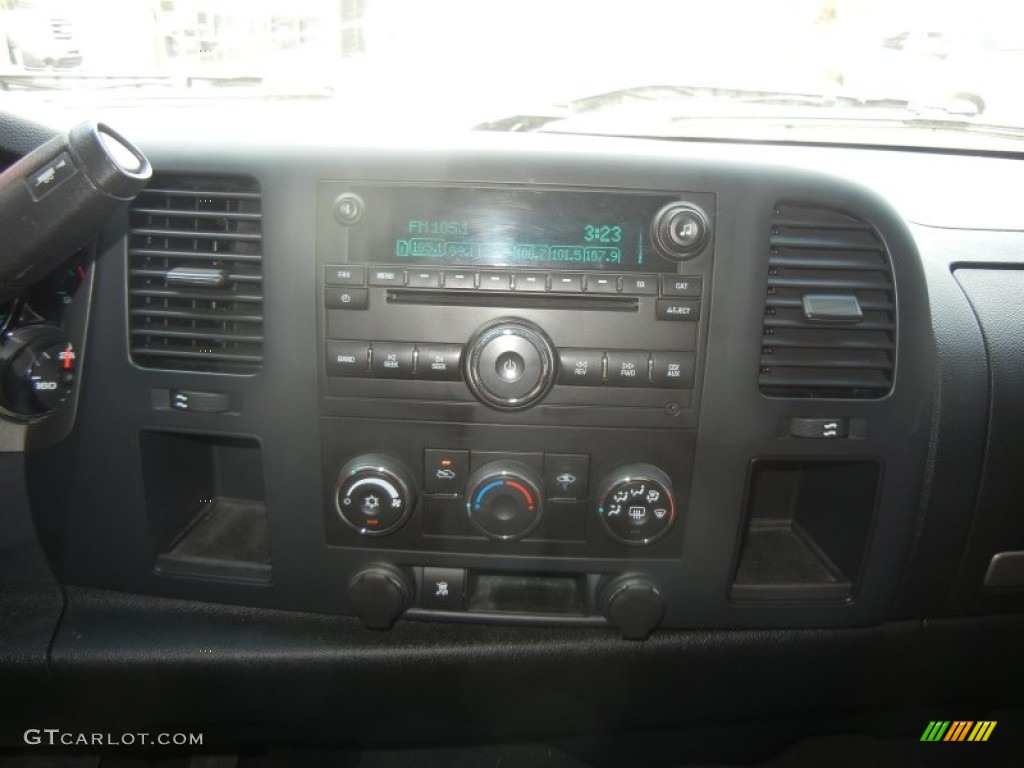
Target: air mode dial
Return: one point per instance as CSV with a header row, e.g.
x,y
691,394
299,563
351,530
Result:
x,y
636,504
374,494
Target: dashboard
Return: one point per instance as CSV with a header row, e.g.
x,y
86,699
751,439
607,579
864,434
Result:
x,y
735,418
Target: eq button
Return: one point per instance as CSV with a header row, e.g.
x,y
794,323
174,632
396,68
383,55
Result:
x,y
640,285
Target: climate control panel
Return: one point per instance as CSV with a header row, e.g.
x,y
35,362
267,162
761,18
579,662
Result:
x,y
503,502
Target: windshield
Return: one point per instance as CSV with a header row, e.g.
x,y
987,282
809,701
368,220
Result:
x,y
893,72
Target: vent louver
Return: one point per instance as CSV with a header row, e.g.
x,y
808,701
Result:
x,y
195,275
830,315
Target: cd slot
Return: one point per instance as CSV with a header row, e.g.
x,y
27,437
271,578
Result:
x,y
547,301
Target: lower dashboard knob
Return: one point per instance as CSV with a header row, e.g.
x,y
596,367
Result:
x,y
634,605
378,595
374,494
636,504
510,364
504,500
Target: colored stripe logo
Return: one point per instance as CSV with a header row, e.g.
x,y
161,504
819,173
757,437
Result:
x,y
958,730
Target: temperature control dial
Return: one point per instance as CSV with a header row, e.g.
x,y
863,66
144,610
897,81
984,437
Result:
x,y
374,495
636,505
504,500
38,370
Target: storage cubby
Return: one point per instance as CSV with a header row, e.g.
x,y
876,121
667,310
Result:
x,y
807,529
206,505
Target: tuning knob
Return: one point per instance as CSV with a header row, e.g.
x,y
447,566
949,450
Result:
x,y
378,595
636,504
37,370
634,605
504,500
510,364
374,494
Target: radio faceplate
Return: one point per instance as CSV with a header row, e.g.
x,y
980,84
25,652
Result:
x,y
455,321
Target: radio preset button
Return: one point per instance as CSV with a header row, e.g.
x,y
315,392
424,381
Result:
x,y
628,369
439,362
495,281
347,358
602,283
678,309
392,361
677,285
346,298
581,367
674,370
566,283
531,282
459,279
423,278
342,274
640,285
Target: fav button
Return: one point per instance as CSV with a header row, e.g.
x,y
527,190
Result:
x,y
341,274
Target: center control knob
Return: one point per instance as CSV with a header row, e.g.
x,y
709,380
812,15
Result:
x,y
636,504
510,364
504,500
374,494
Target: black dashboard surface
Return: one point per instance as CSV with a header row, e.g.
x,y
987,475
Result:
x,y
898,520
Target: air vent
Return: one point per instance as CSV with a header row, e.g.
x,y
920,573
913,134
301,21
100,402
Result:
x,y
830,315
195,275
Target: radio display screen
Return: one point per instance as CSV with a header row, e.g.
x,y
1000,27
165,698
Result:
x,y
509,227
